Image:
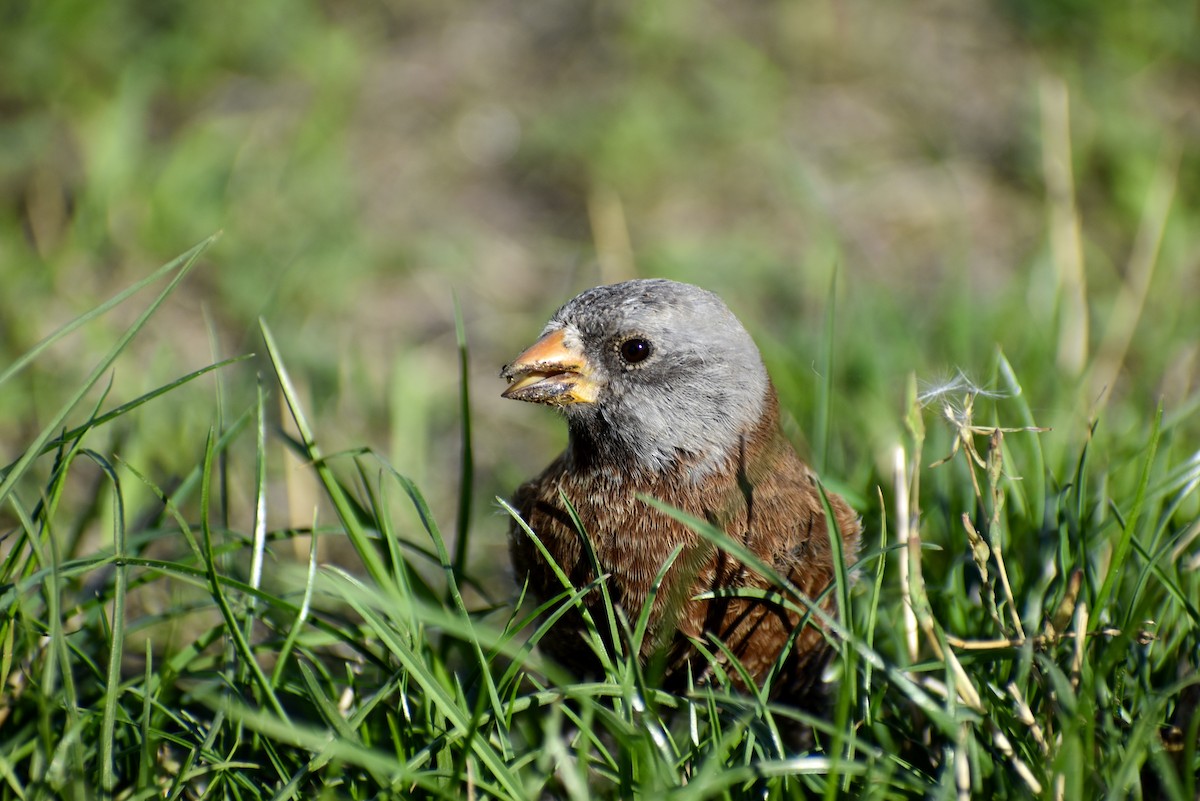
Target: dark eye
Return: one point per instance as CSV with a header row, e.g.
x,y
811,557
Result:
x,y
635,350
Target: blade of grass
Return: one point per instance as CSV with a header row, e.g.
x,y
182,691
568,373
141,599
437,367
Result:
x,y
150,686
824,399
610,610
191,481
1152,567
181,266
643,620
289,642
44,510
946,723
241,646
58,664
441,699
116,651
319,741
125,408
847,691
355,531
260,486
27,358
452,573
553,609
873,606
466,478
589,621
1116,563
408,583
1034,481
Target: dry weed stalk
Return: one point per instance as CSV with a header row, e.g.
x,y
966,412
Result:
x,y
961,416
913,582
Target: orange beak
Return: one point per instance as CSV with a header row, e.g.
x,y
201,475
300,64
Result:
x,y
552,373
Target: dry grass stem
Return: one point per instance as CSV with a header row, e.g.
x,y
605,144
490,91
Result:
x,y
1041,640
962,764
995,469
1064,225
960,415
913,590
1081,625
1131,298
610,232
1005,747
1025,715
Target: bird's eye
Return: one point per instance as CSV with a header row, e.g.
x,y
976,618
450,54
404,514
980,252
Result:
x,y
635,350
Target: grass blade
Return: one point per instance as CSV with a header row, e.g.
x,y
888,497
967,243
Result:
x,y
824,400
181,266
27,358
116,651
355,530
235,632
1120,553
466,478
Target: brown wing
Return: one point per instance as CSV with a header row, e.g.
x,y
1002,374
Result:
x,y
781,519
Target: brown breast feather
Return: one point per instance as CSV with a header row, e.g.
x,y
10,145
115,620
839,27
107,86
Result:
x,y
765,496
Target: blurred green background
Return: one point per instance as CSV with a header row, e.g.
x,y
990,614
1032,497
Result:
x,y
1017,174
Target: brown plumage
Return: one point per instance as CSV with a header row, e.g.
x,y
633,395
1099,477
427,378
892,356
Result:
x,y
665,396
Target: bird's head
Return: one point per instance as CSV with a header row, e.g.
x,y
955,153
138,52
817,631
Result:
x,y
649,372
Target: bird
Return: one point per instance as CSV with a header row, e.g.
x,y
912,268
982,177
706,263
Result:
x,y
666,397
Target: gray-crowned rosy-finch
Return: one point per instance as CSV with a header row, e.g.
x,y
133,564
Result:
x,y
665,395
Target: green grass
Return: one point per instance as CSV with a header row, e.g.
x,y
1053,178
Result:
x,y
191,653
250,545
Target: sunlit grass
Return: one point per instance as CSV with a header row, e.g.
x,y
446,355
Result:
x,y
195,650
